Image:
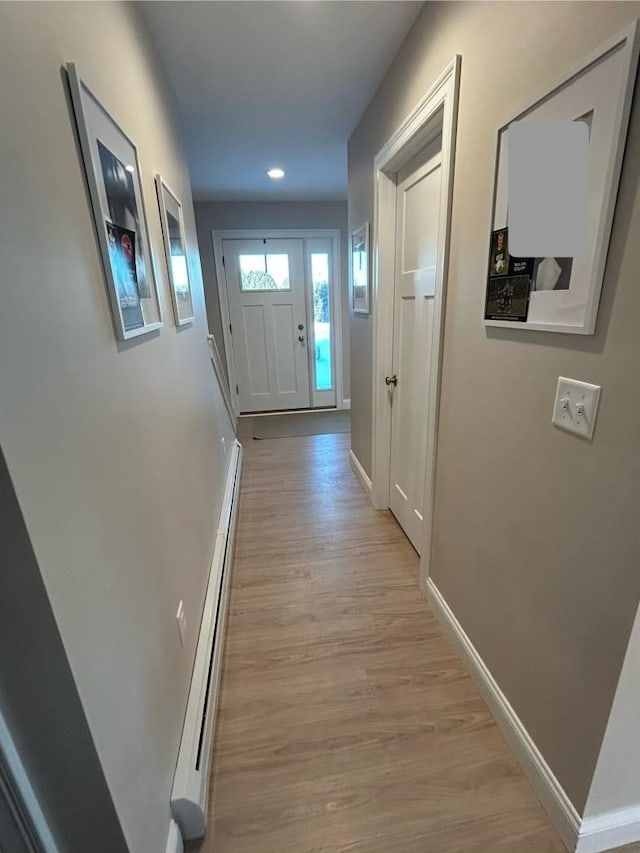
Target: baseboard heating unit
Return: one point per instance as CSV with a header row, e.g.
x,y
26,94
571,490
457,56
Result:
x,y
190,793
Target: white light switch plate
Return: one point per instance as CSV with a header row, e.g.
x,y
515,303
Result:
x,y
576,406
181,619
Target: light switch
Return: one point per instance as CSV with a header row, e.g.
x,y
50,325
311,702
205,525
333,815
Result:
x,y
576,406
181,619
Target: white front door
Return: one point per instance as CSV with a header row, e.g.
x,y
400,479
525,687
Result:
x,y
266,290
417,226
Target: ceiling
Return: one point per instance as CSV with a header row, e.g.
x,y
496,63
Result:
x,y
264,84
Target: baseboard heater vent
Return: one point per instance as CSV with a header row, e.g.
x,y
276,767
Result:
x,y
190,794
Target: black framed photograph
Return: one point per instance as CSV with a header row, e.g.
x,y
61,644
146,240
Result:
x,y
113,174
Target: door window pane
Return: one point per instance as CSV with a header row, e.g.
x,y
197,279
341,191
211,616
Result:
x,y
264,272
278,269
321,319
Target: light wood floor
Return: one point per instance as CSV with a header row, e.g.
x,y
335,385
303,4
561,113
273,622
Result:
x,y
347,722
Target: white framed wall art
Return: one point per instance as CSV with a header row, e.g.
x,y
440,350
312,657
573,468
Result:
x,y
562,294
114,177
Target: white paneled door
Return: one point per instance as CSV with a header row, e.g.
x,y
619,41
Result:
x,y
417,227
266,292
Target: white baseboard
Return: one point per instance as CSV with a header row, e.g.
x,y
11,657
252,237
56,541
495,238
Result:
x,y
553,797
609,831
361,474
346,403
174,839
190,793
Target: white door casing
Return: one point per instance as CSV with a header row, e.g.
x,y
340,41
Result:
x,y
269,329
417,232
435,114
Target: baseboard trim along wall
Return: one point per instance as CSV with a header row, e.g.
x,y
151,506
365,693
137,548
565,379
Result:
x,y
174,839
190,794
609,831
361,474
553,797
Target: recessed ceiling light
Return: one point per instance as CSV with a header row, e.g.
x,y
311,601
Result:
x,y
130,169
276,173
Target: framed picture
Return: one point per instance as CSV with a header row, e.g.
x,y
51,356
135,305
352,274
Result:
x,y
115,187
175,247
359,266
562,294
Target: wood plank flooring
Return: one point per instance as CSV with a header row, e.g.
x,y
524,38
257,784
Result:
x,y
347,723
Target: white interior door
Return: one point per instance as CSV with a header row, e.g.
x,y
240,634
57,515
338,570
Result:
x,y
417,227
266,293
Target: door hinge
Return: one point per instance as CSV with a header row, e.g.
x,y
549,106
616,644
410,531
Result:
x,y
230,329
237,390
223,263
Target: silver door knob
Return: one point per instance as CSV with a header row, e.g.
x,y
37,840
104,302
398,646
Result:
x,y
391,380
301,338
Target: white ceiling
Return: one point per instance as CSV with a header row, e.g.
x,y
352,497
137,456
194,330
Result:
x,y
264,84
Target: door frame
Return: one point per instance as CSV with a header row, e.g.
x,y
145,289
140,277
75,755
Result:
x,y
20,798
333,234
435,114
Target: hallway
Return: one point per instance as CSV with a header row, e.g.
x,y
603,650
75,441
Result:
x,y
346,721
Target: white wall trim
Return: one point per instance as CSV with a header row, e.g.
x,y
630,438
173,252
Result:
x,y
190,793
346,403
174,839
554,798
29,807
332,234
436,113
360,473
223,382
610,830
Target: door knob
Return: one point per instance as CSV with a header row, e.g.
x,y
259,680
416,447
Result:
x,y
301,338
391,380
300,326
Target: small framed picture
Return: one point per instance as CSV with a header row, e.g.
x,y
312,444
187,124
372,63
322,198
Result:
x,y
115,188
359,265
175,247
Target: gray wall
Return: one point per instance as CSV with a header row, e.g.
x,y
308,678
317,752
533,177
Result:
x,y
40,702
114,450
536,535
221,216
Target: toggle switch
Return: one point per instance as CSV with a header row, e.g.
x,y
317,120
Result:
x,y
576,406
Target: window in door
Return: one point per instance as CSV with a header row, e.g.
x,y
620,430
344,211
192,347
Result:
x,y
264,272
321,291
